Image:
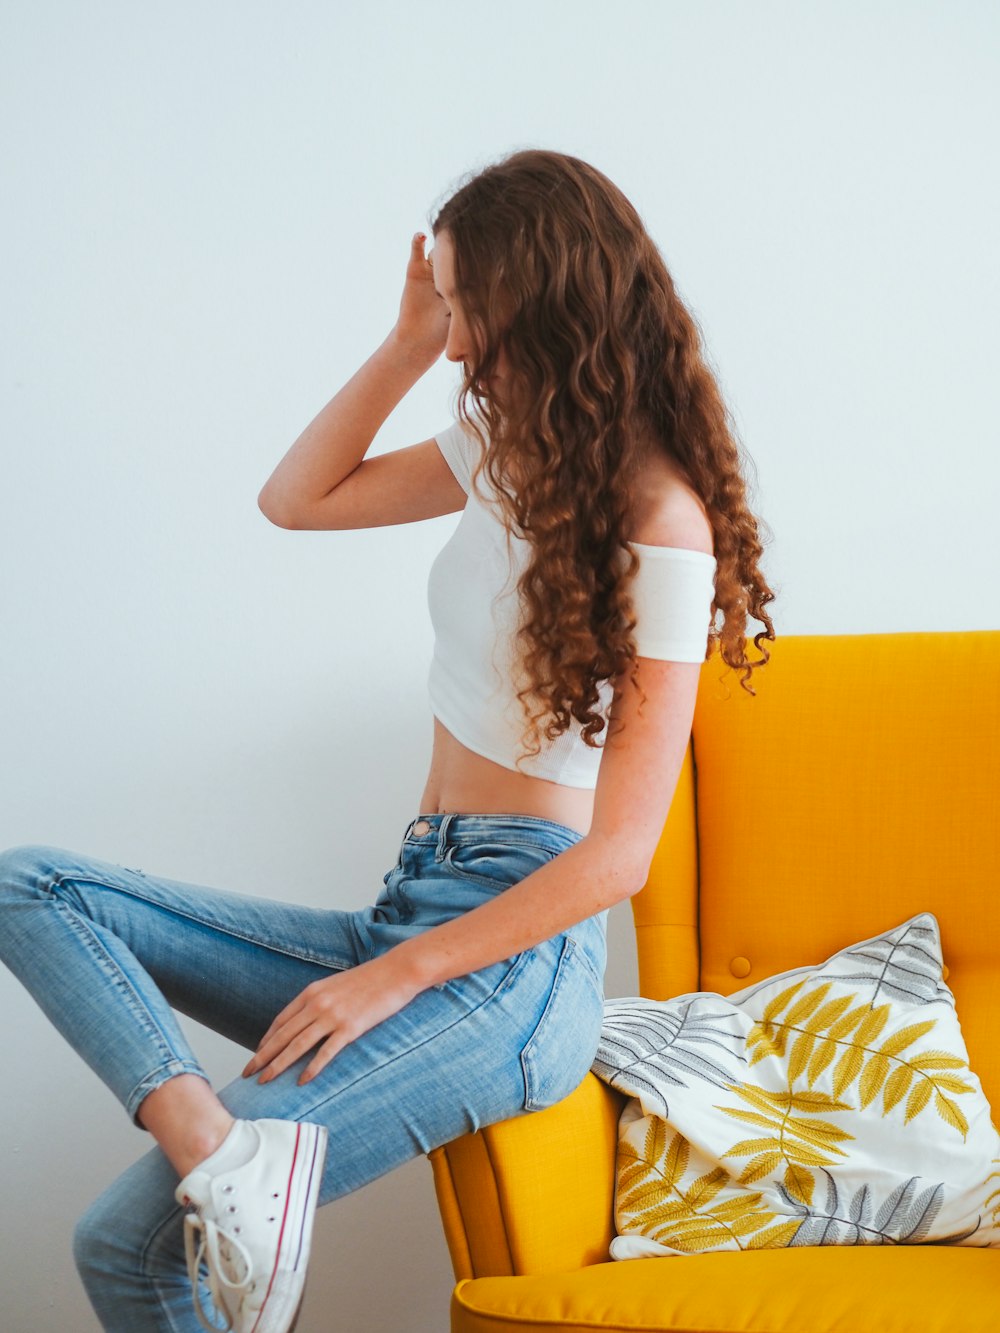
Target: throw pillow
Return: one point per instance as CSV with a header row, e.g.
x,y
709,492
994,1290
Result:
x,y
828,1105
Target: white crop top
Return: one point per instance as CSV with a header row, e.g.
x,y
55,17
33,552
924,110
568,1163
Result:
x,y
472,596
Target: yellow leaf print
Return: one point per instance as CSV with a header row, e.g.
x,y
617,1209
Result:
x,y
950,1113
807,1005
784,997
906,1037
823,1056
873,1024
848,1067
937,1060
895,1087
848,1022
761,1166
775,1237
875,1074
801,1052
918,1098
799,1183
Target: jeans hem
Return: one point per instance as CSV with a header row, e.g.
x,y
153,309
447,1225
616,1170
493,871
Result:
x,y
155,1080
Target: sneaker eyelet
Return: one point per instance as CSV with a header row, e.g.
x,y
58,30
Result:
x,y
227,1189
231,1208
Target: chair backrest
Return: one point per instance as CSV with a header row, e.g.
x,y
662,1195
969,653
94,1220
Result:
x,y
860,786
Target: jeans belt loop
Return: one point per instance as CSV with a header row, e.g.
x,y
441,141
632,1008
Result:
x,y
442,841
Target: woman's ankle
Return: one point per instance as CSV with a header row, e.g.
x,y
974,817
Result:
x,y
187,1120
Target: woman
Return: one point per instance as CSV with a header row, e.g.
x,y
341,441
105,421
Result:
x,y
604,525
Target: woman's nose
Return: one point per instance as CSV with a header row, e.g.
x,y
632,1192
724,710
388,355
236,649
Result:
x,y
454,350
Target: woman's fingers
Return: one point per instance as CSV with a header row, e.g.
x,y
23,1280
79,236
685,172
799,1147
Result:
x,y
290,1021
333,1011
422,322
290,1011
296,1030
291,1051
425,263
334,1043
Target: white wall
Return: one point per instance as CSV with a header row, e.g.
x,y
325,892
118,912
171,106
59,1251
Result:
x,y
207,216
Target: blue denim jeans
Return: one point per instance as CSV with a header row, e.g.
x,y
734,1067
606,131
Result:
x,y
109,951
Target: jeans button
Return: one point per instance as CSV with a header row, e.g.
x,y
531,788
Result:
x,y
421,827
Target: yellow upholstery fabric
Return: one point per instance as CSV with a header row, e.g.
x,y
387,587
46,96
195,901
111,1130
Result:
x,y
534,1194
858,787
840,1289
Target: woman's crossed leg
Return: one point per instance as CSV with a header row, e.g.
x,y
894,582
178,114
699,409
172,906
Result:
x,y
107,950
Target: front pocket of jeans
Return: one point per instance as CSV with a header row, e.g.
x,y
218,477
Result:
x,y
494,865
562,1046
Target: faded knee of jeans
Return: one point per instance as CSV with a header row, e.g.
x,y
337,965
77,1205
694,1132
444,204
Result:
x,y
24,871
23,866
38,871
93,1247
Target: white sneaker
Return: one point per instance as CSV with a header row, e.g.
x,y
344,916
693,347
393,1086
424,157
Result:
x,y
252,1204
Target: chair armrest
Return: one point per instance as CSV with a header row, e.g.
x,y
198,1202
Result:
x,y
533,1194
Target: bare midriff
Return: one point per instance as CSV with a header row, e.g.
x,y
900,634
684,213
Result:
x,y
463,782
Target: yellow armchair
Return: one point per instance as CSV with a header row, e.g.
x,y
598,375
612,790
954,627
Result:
x,y
860,786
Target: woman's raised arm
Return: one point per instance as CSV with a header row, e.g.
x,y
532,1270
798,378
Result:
x,y
331,448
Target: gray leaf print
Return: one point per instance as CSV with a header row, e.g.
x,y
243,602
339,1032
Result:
x,y
905,1216
904,963
643,1047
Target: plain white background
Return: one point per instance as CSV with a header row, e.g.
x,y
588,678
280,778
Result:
x,y
208,209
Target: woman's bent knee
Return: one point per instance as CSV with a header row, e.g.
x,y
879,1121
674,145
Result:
x,y
130,1220
24,873
92,1245
27,864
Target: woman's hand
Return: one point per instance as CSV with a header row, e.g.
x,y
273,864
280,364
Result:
x,y
338,1008
423,321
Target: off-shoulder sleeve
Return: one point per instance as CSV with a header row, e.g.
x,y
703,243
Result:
x,y
672,596
459,449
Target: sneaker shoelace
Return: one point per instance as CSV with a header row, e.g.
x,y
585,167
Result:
x,y
215,1246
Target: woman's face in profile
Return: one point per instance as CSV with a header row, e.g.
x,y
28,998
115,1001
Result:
x,y
460,346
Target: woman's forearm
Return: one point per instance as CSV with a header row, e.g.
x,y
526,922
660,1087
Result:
x,y
339,436
580,882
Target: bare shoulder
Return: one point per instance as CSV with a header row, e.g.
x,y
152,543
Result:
x,y
669,512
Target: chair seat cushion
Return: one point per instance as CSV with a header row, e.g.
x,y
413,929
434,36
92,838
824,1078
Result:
x,y
815,1289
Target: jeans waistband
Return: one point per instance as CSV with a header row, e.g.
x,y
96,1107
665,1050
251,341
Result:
x,y
445,829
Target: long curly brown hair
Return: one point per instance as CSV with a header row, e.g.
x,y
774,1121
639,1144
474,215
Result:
x,y
554,269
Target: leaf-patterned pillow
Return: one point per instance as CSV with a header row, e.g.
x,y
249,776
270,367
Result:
x,y
827,1105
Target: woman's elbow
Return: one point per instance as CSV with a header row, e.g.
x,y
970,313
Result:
x,y
274,512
